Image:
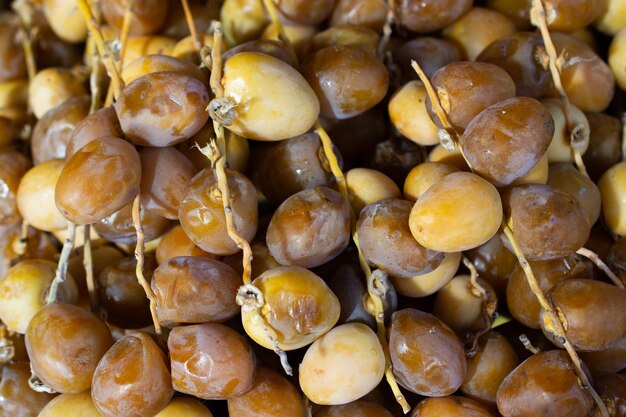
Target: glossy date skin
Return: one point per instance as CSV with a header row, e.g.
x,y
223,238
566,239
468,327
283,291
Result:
x,y
132,379
165,175
427,356
192,289
232,358
202,216
387,242
122,299
65,344
547,223
162,109
272,395
16,397
309,228
544,385
101,178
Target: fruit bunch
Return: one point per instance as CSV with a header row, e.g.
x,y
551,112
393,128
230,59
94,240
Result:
x,y
312,208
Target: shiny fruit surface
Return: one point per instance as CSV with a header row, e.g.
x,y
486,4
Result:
x,y
65,344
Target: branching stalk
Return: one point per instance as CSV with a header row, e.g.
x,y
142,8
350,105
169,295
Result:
x,y
22,245
555,62
374,280
527,344
61,271
282,35
249,297
139,255
387,29
488,308
7,350
197,43
105,55
377,286
593,257
123,39
24,8
88,265
448,136
216,152
551,321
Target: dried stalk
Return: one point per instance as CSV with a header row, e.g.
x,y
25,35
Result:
x,y
489,306
593,257
477,289
197,43
123,38
538,18
387,29
94,83
448,136
22,244
105,55
61,271
7,350
24,8
551,320
139,255
36,384
249,297
377,287
374,280
251,300
88,265
216,152
282,35
527,344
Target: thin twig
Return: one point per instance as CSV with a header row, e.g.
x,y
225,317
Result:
x,y
251,300
139,255
61,271
593,257
36,384
123,38
249,297
327,146
216,64
282,35
538,18
94,83
477,289
24,9
7,350
218,161
197,43
448,136
216,152
623,136
551,321
387,29
377,287
105,55
109,97
374,280
488,308
88,265
527,344
22,245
